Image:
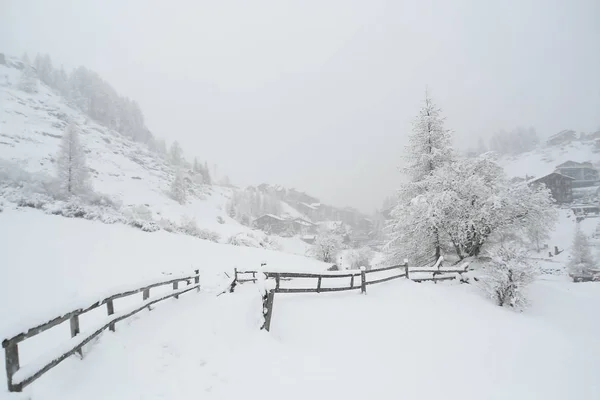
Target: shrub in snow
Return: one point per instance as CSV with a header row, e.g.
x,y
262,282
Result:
x,y
168,225
507,276
326,247
220,220
581,256
357,258
189,227
244,239
144,225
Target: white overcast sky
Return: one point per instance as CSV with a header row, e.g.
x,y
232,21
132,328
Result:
x,y
319,95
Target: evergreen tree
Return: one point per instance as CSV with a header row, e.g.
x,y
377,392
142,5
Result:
x,y
176,154
412,233
581,255
29,80
178,188
72,171
206,174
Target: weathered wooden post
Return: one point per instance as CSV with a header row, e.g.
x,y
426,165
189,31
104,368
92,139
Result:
x,y
268,299
253,276
550,254
197,278
363,280
319,285
175,287
406,268
277,279
110,309
11,359
352,281
235,278
556,250
74,322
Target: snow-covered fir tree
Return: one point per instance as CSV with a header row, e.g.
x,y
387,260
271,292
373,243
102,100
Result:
x,y
72,172
29,80
178,187
581,254
176,154
412,234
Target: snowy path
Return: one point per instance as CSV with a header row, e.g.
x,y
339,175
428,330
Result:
x,y
402,340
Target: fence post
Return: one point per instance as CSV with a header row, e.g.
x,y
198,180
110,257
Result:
x,y
197,278
74,322
319,285
175,287
352,281
277,279
235,275
556,250
253,276
268,300
406,267
110,309
11,358
363,280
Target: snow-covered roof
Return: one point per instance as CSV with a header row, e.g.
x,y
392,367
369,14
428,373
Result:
x,y
271,216
546,174
309,206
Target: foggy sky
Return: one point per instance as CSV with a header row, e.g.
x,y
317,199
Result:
x,y
320,94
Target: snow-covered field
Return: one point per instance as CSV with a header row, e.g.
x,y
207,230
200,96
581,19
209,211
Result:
x,y
403,339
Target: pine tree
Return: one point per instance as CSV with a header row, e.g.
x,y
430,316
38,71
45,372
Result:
x,y
206,174
29,80
72,171
581,255
413,233
176,154
178,188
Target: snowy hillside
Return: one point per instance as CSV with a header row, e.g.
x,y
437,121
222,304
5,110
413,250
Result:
x,y
32,124
545,158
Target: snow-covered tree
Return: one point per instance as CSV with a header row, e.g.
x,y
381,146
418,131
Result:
x,y
45,71
470,200
29,80
73,175
178,188
176,153
581,255
507,276
206,174
430,148
326,247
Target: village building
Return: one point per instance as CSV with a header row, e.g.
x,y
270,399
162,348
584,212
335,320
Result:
x,y
560,186
584,173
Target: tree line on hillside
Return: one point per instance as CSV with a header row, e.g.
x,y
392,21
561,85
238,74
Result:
x,y
97,99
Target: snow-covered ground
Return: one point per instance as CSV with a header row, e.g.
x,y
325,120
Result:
x,y
403,339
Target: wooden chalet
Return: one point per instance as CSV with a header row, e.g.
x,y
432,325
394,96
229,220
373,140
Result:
x,y
561,186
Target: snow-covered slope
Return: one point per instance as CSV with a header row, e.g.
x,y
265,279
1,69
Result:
x,y
51,264
31,125
544,159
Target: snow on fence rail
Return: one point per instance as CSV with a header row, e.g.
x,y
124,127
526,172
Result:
x,y
18,377
394,272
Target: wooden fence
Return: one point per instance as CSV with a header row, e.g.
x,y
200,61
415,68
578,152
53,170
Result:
x,y
358,279
18,378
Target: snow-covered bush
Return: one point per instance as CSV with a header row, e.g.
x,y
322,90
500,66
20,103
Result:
x,y
250,239
356,258
581,256
244,239
190,227
507,276
326,247
168,225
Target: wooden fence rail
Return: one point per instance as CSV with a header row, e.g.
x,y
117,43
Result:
x,y
401,271
18,378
